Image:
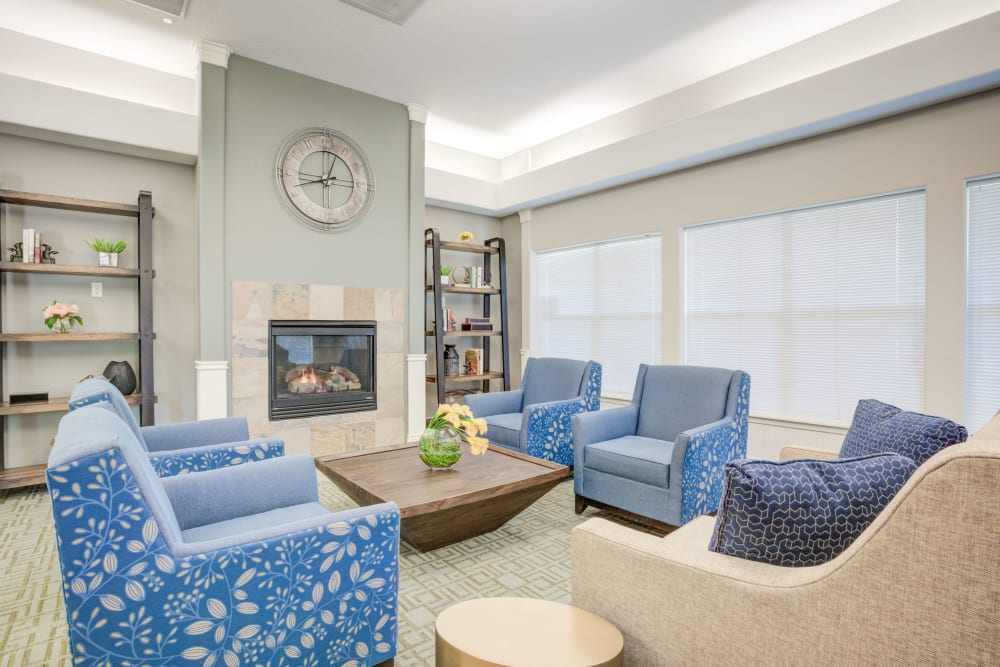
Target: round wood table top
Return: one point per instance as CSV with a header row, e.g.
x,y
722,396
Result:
x,y
523,632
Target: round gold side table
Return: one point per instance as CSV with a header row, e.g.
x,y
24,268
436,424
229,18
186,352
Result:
x,y
523,632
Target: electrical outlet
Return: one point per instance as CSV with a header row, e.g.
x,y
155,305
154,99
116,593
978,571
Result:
x,y
97,289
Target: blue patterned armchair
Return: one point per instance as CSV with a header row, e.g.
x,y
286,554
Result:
x,y
186,447
234,566
662,457
535,419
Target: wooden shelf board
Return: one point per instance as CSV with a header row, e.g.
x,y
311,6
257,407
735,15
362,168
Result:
x,y
16,478
68,203
461,246
452,289
57,404
64,338
493,332
68,270
467,378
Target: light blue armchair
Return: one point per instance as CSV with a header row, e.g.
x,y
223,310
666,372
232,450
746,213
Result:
x,y
535,419
662,457
234,566
186,447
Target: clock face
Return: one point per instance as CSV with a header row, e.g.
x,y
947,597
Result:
x,y
325,179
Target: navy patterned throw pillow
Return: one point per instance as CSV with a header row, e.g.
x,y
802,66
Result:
x,y
878,427
803,512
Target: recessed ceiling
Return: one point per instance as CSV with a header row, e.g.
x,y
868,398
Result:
x,y
496,77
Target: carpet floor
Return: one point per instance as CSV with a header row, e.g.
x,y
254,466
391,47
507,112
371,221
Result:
x,y
527,557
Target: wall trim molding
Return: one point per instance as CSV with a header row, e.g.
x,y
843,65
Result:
x,y
417,112
212,389
416,395
214,53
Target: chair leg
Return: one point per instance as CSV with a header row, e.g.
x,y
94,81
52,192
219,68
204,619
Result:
x,y
581,504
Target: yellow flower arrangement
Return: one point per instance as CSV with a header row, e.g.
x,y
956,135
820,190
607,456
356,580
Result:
x,y
466,236
468,427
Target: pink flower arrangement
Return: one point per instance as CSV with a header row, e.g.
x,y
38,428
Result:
x,y
63,315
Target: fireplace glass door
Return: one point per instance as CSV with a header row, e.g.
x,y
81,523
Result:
x,y
319,368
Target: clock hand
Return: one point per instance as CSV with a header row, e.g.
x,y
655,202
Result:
x,y
318,180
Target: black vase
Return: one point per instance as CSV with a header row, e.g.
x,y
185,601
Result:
x,y
121,375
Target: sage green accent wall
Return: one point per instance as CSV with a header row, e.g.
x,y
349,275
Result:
x,y
210,178
266,242
54,168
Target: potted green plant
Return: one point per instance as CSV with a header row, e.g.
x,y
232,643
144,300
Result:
x,y
445,275
107,251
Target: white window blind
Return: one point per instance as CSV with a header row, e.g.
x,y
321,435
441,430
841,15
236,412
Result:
x,y
982,361
601,302
823,306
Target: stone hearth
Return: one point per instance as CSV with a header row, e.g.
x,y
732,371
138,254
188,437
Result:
x,y
256,303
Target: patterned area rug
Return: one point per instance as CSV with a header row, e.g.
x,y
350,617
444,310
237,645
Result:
x,y
528,557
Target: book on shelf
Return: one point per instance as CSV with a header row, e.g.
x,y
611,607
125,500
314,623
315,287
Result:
x,y
477,327
474,361
477,320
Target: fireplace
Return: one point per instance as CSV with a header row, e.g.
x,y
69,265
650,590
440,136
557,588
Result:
x,y
320,367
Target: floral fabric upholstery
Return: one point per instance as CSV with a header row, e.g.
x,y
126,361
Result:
x,y
708,451
878,427
803,512
190,447
550,426
322,594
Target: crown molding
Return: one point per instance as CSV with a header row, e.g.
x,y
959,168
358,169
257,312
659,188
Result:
x,y
418,113
214,53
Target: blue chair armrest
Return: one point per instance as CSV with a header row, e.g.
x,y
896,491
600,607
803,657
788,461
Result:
x,y
194,434
210,457
601,425
227,493
495,402
699,457
547,429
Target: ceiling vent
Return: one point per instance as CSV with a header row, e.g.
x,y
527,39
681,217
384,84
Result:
x,y
176,8
396,11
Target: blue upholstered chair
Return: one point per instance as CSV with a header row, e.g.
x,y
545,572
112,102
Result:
x,y
662,456
186,447
234,566
535,419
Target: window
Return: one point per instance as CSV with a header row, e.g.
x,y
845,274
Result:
x,y
823,306
601,302
982,360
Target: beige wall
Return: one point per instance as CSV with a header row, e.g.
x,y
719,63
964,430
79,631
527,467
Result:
x,y
936,148
51,168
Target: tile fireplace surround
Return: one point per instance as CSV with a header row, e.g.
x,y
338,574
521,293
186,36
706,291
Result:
x,y
256,303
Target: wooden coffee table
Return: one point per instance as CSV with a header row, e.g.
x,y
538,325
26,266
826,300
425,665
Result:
x,y
437,508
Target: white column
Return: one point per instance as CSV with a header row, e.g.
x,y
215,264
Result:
x,y
527,292
212,379
416,391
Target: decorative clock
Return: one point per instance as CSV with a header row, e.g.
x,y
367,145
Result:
x,y
324,178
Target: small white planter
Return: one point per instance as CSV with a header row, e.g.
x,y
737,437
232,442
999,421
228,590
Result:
x,y
445,280
107,258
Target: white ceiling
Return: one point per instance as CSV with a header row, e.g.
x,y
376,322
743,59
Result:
x,y
496,77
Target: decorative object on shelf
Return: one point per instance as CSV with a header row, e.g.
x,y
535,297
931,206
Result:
x,y
466,237
446,274
107,251
440,445
462,275
450,361
39,397
60,317
324,178
474,361
17,252
121,375
48,254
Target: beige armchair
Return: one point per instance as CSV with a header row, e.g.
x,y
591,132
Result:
x,y
920,586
